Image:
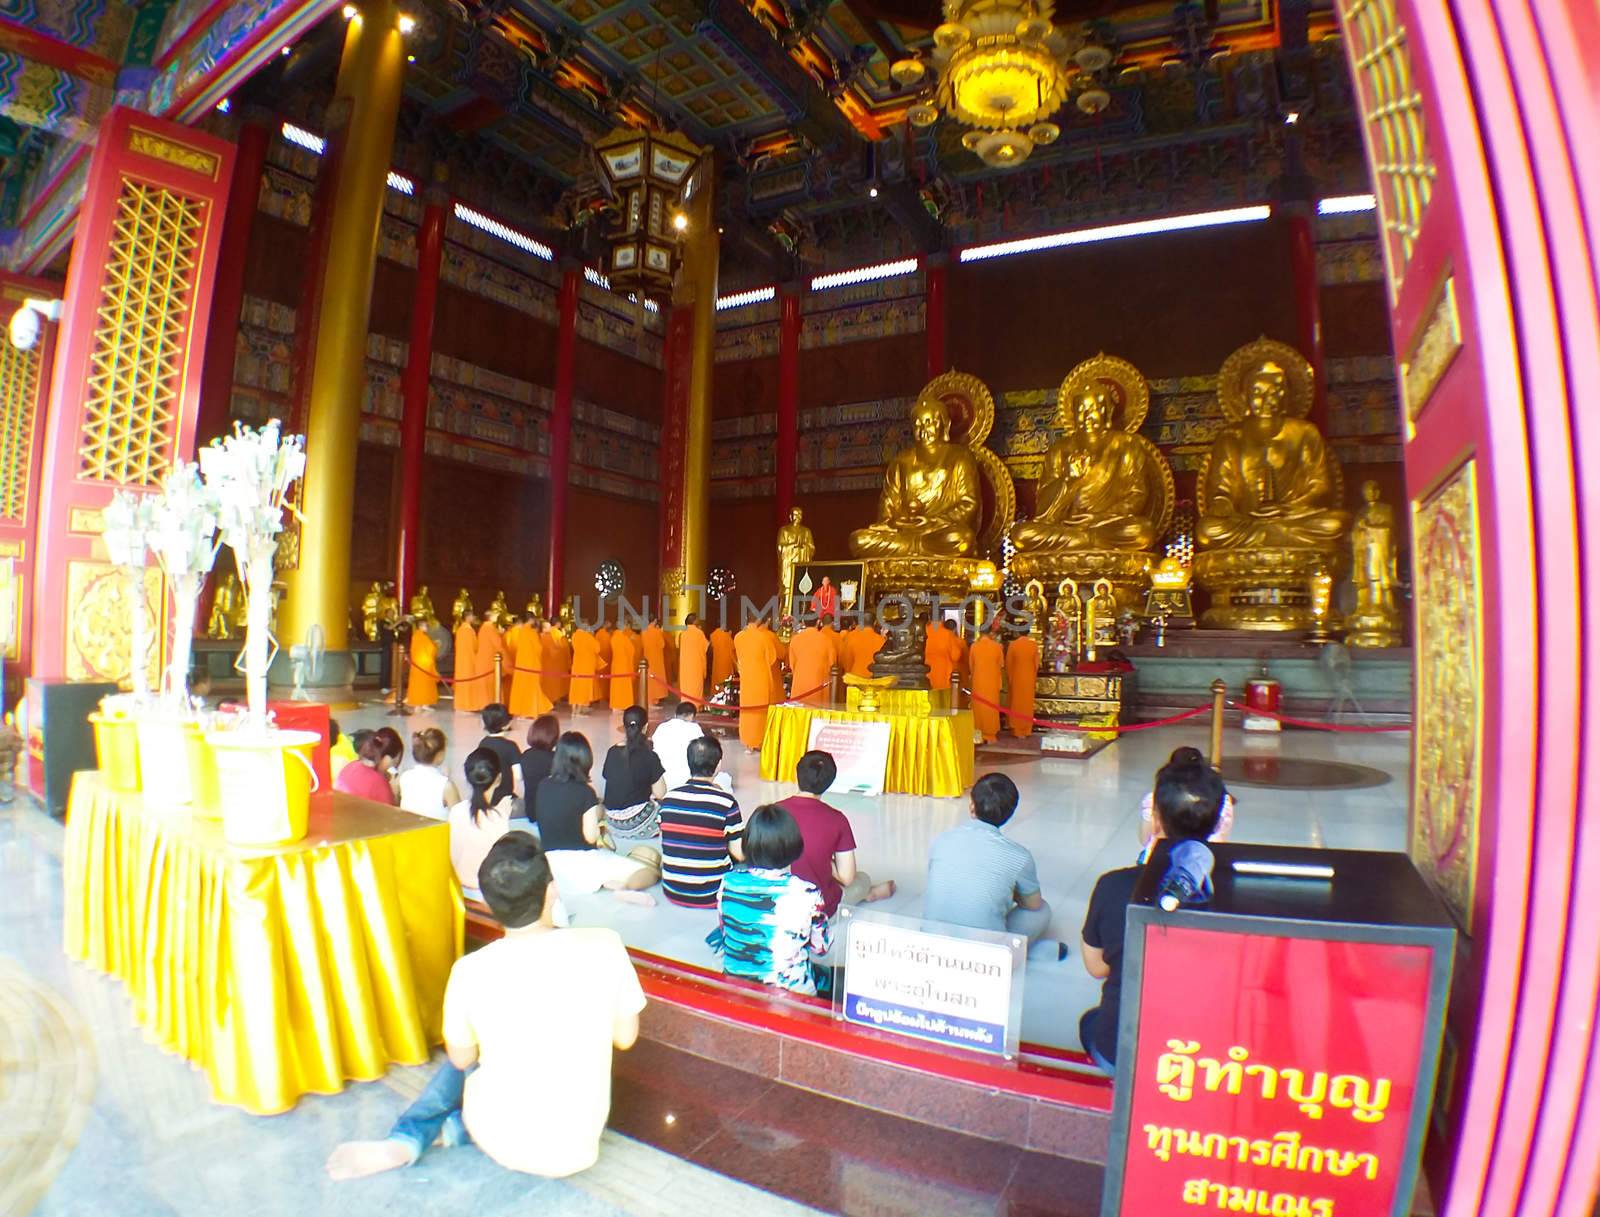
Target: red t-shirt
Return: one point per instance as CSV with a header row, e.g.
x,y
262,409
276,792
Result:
x,y
365,781
825,832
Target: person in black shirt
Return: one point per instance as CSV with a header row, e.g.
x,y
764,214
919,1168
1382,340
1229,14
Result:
x,y
542,735
496,725
1188,803
567,812
634,779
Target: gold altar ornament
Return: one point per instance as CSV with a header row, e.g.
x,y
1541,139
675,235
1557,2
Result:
x,y
1169,596
461,609
1376,619
931,496
870,688
1269,494
796,546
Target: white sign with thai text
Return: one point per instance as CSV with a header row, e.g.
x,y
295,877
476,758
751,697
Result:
x,y
860,750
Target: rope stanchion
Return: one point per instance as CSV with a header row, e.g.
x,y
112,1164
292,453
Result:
x,y
1314,725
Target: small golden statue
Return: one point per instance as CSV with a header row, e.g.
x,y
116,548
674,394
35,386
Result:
x,y
500,612
1066,625
422,607
371,605
1100,621
1269,494
227,608
535,606
1038,612
796,546
1376,619
461,610
931,498
566,622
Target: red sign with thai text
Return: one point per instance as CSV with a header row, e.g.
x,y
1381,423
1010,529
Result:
x,y
1273,1075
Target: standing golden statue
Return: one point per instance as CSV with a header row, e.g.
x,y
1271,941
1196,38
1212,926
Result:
x,y
500,612
421,607
1269,494
931,499
227,608
371,606
566,620
461,609
796,546
1376,619
535,606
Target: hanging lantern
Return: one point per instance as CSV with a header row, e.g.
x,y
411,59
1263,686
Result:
x,y
651,175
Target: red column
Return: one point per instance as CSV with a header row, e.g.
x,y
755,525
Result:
x,y
1297,218
788,397
561,427
936,269
414,389
222,338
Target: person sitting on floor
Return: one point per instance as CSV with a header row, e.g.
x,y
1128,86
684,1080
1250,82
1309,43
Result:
x,y
426,788
371,776
671,744
700,831
980,878
477,822
634,780
828,856
341,751
530,1024
541,753
1147,825
568,813
772,920
496,737
1188,799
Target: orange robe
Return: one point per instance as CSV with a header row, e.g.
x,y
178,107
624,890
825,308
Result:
x,y
865,643
988,662
1022,670
602,639
490,644
721,657
624,658
962,665
780,652
586,664
422,689
756,650
557,664
942,653
469,696
812,654
654,642
527,699
692,647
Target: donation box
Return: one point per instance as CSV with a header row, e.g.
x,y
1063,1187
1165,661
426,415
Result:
x,y
1278,1044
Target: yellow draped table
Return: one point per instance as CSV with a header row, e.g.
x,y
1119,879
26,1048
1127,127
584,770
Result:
x,y
928,753
279,972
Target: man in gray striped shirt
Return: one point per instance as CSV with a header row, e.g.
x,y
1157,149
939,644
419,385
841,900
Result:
x,y
979,878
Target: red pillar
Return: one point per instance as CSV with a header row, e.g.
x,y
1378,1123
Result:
x,y
1298,221
222,338
561,428
788,397
414,389
936,269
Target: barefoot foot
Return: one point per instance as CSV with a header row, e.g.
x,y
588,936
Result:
x,y
642,899
358,1159
879,891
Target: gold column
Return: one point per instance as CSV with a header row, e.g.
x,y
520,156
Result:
x,y
368,90
697,291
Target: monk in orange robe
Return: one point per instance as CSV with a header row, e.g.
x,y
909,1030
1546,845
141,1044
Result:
x,y
469,692
1022,670
988,659
942,653
654,642
557,664
756,650
865,643
624,658
722,664
963,668
527,698
780,652
812,654
586,665
490,644
692,648
422,686
602,639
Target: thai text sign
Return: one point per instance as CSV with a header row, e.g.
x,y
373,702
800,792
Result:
x,y
1272,1075
860,750
962,988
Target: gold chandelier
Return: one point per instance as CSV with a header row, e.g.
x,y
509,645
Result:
x,y
650,175
1003,71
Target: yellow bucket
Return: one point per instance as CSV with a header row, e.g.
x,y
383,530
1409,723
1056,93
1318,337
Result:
x,y
205,790
265,780
164,759
116,745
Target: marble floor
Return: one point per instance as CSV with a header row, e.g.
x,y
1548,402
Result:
x,y
1079,817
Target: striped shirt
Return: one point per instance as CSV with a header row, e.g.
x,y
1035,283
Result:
x,y
975,876
698,820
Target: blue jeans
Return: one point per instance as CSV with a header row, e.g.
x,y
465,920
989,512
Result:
x,y
1086,1035
437,1109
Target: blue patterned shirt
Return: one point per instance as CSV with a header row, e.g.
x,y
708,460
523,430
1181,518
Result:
x,y
772,924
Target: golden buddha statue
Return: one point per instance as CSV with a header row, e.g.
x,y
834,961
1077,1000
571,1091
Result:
x,y
1376,619
931,498
388,606
370,605
1269,493
535,606
227,606
566,621
422,606
500,611
796,546
461,609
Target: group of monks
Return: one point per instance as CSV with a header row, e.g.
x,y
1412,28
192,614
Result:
x,y
540,666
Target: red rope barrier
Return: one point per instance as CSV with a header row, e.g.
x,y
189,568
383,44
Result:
x,y
1053,725
1319,726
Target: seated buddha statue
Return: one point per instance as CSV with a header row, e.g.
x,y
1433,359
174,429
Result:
x,y
1271,483
1095,492
931,496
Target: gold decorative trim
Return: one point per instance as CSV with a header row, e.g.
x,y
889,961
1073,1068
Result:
x,y
13,548
966,387
1233,389
1131,398
173,152
1005,501
86,520
1447,804
19,404
1434,352
98,641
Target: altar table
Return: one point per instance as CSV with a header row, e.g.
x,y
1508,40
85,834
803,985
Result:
x,y
278,972
928,753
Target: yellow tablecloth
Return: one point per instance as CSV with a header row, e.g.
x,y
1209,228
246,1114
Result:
x,y
928,754
278,972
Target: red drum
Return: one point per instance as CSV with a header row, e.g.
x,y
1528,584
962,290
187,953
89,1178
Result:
x,y
1263,697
